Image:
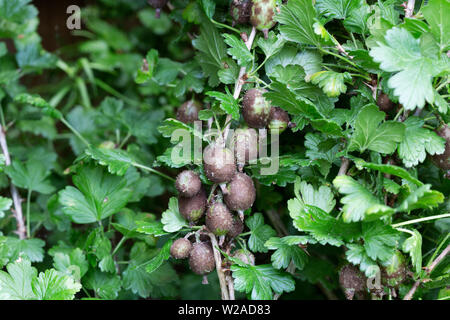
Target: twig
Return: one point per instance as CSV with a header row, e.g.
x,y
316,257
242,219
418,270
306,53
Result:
x,y
409,10
239,83
17,212
345,162
428,270
231,287
404,223
220,273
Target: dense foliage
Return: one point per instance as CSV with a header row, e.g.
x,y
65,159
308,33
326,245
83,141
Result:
x,y
357,90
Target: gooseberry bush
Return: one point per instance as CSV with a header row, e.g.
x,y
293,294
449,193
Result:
x,y
200,149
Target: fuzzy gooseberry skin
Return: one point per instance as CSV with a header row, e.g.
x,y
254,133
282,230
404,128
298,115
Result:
x,y
352,281
188,111
201,259
241,192
219,163
443,160
262,14
188,183
236,228
181,248
193,208
278,119
245,145
219,219
240,11
256,109
394,270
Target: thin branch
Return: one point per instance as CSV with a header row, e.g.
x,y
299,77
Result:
x,y
409,10
230,282
17,212
220,273
439,216
345,162
428,270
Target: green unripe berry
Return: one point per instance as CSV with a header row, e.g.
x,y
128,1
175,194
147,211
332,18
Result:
x,y
262,15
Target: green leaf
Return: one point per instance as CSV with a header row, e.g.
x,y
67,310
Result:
x,y
260,232
105,285
52,286
436,13
29,249
370,134
337,9
160,283
98,195
285,253
171,218
309,60
272,45
402,54
418,141
145,73
386,168
321,198
357,19
118,161
209,7
170,125
259,281
32,176
323,227
237,49
413,245
162,256
37,101
227,103
332,83
154,228
282,96
421,198
73,263
358,200
296,20
211,51
380,240
5,204
356,254
16,283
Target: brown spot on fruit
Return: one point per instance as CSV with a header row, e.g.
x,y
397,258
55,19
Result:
x,y
256,109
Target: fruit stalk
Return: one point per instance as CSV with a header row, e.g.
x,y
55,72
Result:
x,y
220,273
17,212
416,285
